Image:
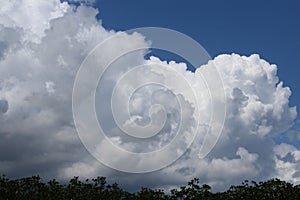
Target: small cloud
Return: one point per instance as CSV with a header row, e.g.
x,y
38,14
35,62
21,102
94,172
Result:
x,y
50,87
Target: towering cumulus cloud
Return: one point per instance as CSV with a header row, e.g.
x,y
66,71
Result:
x,y
42,45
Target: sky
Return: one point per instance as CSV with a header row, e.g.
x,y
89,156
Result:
x,y
68,68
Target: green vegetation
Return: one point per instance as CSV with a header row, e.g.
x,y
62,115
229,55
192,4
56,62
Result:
x,y
34,188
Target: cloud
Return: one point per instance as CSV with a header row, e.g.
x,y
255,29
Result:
x,y
85,2
31,16
38,64
287,159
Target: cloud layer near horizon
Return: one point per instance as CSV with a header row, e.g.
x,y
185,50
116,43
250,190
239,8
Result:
x,y
42,44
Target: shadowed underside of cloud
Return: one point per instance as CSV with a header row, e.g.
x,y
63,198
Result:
x,y
42,45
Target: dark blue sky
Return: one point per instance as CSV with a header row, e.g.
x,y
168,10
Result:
x,y
269,28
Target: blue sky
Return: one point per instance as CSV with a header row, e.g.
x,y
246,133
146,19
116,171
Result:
x,y
269,28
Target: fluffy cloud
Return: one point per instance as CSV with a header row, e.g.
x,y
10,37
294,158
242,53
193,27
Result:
x,y
31,16
38,64
287,162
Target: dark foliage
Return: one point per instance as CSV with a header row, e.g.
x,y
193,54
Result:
x,y
34,188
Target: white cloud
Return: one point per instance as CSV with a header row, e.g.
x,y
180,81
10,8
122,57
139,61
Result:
x,y
287,159
31,16
38,63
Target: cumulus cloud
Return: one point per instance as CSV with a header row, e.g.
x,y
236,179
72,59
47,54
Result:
x,y
287,162
38,64
31,16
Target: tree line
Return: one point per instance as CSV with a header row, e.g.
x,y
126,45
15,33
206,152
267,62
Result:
x,y
98,188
